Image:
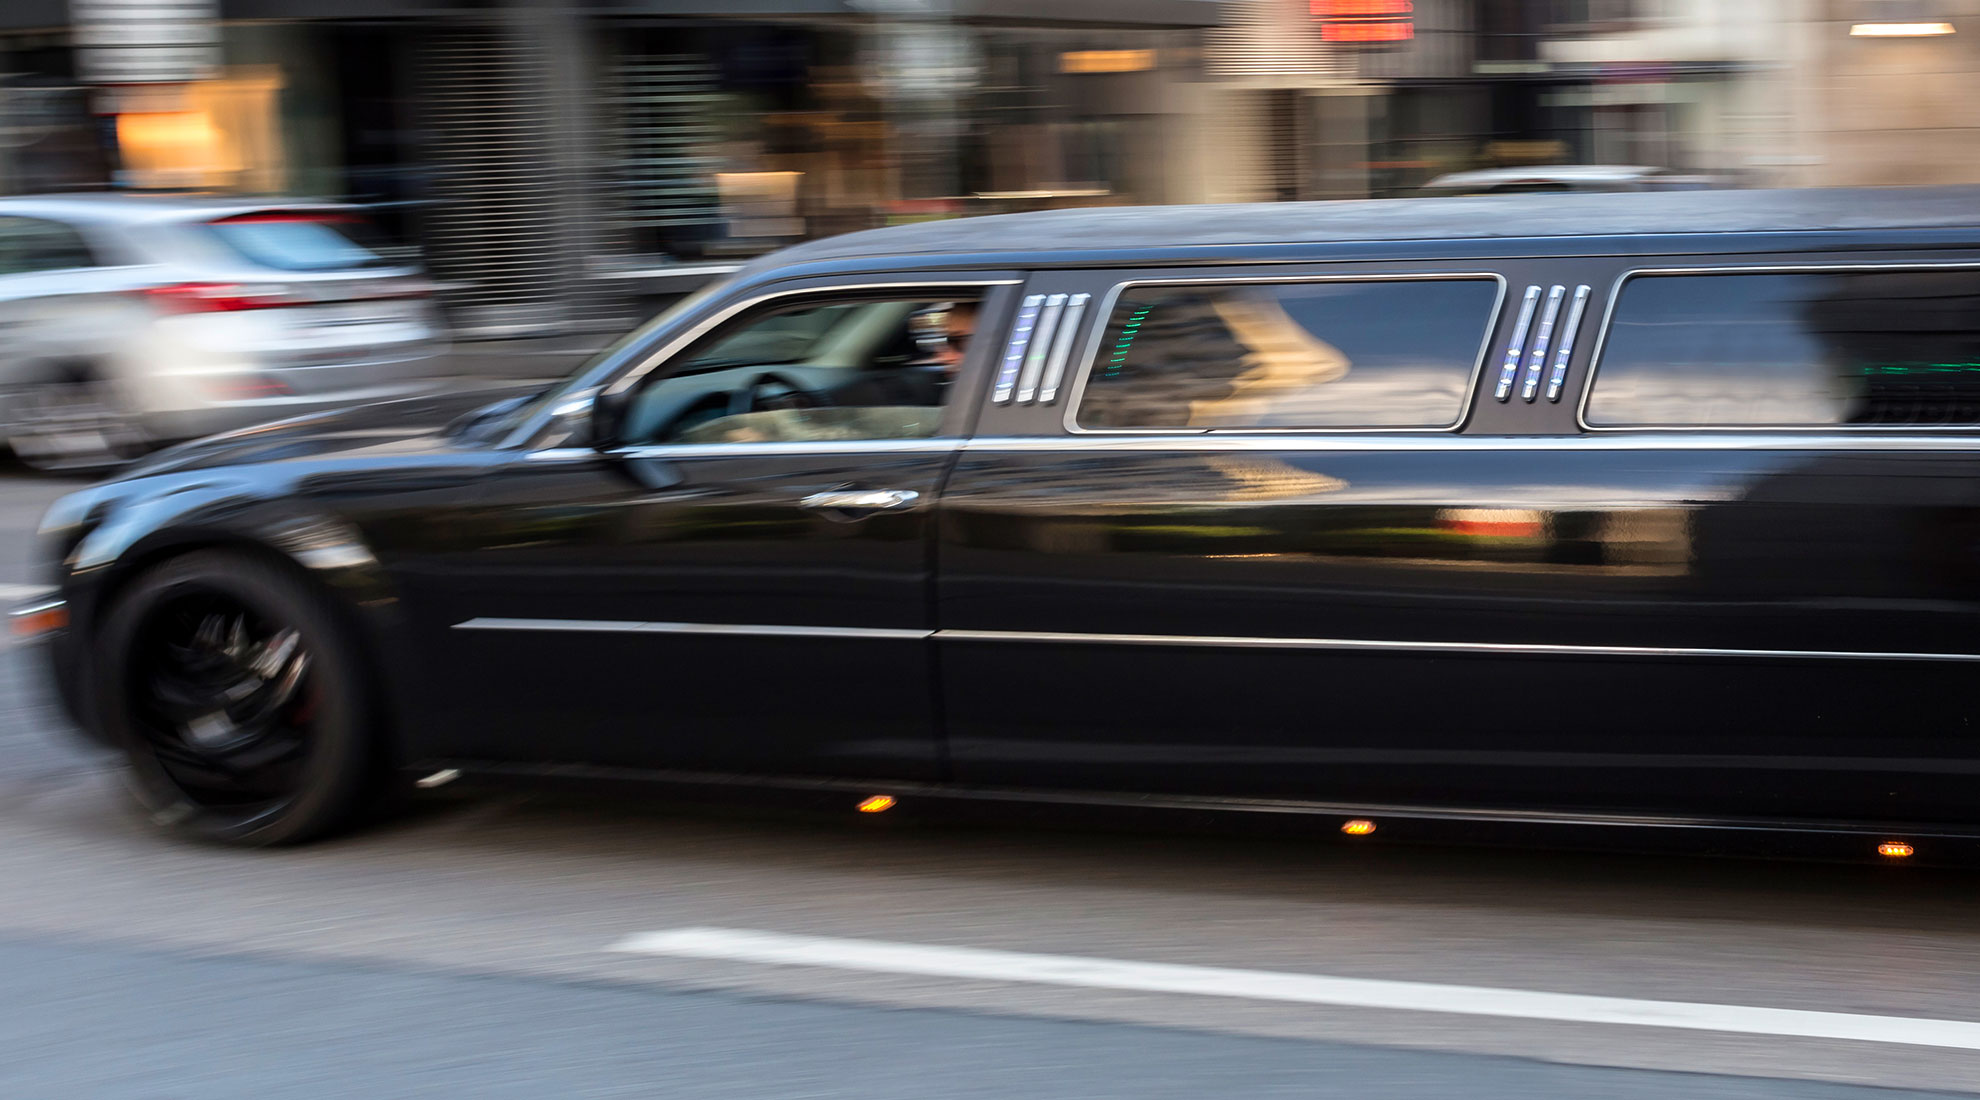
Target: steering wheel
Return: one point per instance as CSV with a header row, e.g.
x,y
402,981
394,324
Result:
x,y
760,394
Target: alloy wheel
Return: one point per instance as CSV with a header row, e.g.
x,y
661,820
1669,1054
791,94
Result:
x,y
224,700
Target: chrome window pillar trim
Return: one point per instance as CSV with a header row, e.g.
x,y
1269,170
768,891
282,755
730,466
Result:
x,y
1090,356
1041,343
1208,641
1615,298
700,328
1565,353
1536,360
1516,346
1004,383
1055,369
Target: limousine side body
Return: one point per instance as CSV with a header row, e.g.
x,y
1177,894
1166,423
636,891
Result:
x,y
1732,582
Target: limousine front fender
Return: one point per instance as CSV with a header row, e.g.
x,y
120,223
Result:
x,y
102,539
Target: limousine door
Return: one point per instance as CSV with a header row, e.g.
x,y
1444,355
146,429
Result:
x,y
740,582
1223,546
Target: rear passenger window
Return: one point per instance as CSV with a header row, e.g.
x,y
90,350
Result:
x,y
1805,349
1320,354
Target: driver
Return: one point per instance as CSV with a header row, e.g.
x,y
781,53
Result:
x,y
913,384
958,325
923,381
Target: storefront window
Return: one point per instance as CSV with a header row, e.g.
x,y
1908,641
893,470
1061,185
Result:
x,y
735,139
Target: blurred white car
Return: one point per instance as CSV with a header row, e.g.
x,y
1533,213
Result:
x,y
1567,177
128,321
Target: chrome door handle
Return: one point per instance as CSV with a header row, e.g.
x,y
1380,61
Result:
x,y
861,500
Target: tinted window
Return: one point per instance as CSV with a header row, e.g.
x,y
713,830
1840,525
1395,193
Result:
x,y
1792,350
1389,354
810,371
31,244
300,242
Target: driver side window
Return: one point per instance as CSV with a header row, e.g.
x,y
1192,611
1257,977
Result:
x,y
810,370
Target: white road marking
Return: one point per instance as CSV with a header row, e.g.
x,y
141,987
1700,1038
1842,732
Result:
x,y
739,945
22,591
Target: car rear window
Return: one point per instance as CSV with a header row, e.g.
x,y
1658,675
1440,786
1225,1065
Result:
x,y
1395,353
300,242
1792,349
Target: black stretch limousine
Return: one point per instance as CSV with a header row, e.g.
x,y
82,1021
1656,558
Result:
x,y
1605,509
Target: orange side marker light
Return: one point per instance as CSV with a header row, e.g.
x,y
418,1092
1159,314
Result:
x,y
1895,849
40,621
877,804
1358,827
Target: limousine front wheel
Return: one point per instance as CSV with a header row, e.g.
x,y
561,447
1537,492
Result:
x,y
235,693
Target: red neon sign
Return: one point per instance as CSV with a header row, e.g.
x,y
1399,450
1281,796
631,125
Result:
x,y
1365,21
1367,32
1350,9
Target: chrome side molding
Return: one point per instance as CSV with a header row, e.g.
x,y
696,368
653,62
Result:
x,y
1371,645
1950,440
1387,646
751,630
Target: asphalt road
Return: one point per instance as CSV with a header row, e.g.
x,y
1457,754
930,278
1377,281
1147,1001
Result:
x,y
467,951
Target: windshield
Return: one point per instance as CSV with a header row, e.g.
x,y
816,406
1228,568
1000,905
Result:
x,y
784,338
611,354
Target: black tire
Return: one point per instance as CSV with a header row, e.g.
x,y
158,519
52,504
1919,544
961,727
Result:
x,y
269,767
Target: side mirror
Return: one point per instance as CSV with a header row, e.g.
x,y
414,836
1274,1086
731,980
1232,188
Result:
x,y
573,423
607,414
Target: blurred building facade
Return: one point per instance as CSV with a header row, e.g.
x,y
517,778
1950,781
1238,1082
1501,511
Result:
x,y
559,160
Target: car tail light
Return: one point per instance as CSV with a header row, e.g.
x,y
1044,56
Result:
x,y
219,297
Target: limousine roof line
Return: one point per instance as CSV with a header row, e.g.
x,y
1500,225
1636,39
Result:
x,y
1459,249
1550,217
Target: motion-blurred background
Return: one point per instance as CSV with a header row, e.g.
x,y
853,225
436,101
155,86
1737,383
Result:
x,y
563,165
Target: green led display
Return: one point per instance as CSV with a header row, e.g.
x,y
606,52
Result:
x,y
1125,341
1884,369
